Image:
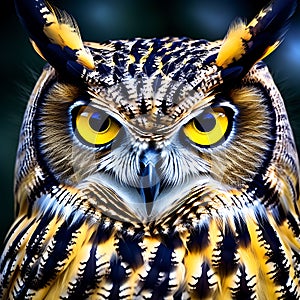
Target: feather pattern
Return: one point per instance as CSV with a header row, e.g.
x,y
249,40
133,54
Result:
x,y
225,255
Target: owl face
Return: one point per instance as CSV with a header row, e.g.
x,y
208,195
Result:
x,y
145,138
139,127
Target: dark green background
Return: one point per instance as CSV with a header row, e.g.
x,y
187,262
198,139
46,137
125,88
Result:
x,y
100,20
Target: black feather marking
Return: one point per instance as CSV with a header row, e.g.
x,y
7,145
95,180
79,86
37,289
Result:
x,y
117,74
243,235
50,268
120,60
279,214
293,224
272,26
150,66
88,276
130,251
244,289
264,190
226,262
103,69
12,230
117,276
12,253
210,59
132,69
87,279
202,288
275,254
140,96
161,291
178,295
187,73
230,74
138,50
103,233
296,258
160,264
265,32
34,16
32,19
35,244
269,29
199,238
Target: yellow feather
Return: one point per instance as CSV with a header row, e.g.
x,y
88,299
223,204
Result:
x,y
80,256
61,29
37,50
256,262
270,49
233,47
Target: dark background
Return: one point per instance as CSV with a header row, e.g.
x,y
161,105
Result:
x,y
101,20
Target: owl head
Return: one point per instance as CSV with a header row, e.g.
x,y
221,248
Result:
x,y
145,130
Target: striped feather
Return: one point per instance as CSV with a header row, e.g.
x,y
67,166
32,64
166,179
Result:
x,y
63,257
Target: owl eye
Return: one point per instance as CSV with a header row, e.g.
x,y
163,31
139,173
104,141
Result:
x,y
209,127
95,127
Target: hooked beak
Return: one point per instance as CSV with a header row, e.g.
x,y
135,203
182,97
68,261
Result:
x,y
150,179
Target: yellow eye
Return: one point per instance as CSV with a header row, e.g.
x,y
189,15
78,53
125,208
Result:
x,y
208,128
95,127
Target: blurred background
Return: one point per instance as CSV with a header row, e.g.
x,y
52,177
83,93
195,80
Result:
x,y
100,20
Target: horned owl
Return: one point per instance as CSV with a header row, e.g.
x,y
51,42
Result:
x,y
154,168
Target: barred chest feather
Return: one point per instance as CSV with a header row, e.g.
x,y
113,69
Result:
x,y
196,253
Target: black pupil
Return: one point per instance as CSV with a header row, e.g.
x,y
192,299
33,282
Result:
x,y
99,122
205,123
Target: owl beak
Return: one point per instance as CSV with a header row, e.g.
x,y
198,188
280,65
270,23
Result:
x,y
149,178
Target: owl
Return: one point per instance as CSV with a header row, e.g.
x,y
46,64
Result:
x,y
160,168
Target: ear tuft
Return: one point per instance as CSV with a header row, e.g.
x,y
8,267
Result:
x,y
245,45
62,29
54,34
233,47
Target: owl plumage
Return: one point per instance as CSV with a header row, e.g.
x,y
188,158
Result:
x,y
154,168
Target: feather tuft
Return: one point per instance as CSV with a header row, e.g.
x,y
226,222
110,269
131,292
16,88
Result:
x,y
54,34
245,45
233,47
62,29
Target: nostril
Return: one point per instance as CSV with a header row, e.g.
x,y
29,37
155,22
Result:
x,y
149,157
